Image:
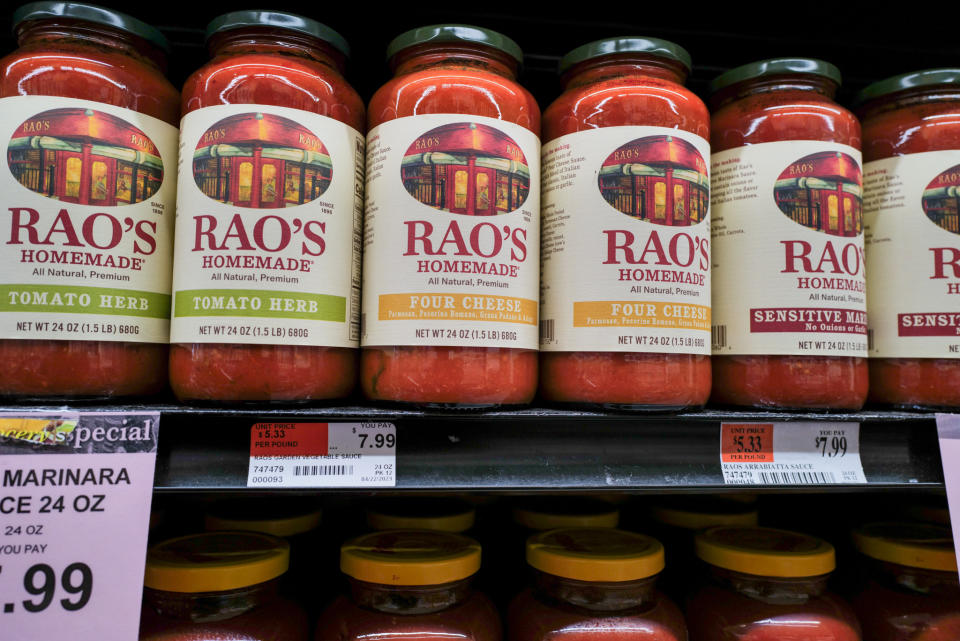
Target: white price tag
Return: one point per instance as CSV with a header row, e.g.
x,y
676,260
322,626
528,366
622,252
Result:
x,y
75,491
948,428
812,453
323,455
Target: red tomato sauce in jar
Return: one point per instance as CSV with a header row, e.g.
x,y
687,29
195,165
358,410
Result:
x,y
467,132
410,584
219,586
804,148
83,53
911,135
256,159
594,584
624,109
909,589
762,584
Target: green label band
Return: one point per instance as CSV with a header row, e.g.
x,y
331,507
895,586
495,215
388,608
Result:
x,y
260,304
64,299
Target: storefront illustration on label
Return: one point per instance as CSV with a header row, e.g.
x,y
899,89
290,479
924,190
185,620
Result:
x,y
941,200
659,179
261,161
823,192
466,168
86,157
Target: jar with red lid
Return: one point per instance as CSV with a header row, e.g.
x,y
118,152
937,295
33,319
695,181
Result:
x,y
625,298
90,146
410,584
761,584
452,229
909,589
911,147
594,584
266,268
789,302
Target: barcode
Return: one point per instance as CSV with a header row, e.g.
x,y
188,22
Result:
x,y
322,470
718,336
869,340
797,478
547,330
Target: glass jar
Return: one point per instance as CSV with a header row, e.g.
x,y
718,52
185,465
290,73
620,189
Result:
x,y
909,589
410,583
427,513
219,586
911,143
761,584
272,125
625,165
91,145
789,309
452,233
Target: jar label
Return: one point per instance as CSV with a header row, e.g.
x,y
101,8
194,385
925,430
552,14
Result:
x,y
626,242
788,266
452,233
912,223
88,193
269,213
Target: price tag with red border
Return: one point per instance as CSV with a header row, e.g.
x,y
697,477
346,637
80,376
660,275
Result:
x,y
801,453
323,455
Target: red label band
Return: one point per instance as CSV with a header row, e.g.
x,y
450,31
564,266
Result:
x,y
289,439
929,324
808,319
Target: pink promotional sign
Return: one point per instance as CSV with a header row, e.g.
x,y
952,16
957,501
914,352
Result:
x,y
75,492
948,427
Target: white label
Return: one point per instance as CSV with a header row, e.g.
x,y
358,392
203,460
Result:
x,y
948,429
452,233
626,242
88,191
814,453
788,267
323,455
912,236
74,512
268,228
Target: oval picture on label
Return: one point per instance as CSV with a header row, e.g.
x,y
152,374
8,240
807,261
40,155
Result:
x,y
85,156
941,200
466,168
660,179
261,161
823,192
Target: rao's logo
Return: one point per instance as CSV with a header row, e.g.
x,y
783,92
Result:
x,y
466,168
261,161
659,179
823,192
941,200
85,156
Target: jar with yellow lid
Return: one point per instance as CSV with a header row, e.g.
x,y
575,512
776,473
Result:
x,y
410,584
221,585
762,584
428,513
594,584
909,589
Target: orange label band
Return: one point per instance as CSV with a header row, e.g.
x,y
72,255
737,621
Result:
x,y
621,313
459,307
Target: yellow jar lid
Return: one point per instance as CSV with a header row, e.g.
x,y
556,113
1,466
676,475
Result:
x,y
697,513
215,562
410,557
765,552
595,554
281,518
551,513
444,515
915,545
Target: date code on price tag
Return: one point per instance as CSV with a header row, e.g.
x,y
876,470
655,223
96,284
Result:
x,y
812,453
323,455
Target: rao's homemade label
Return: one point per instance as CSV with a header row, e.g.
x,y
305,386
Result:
x,y
788,260
912,221
87,197
268,228
452,233
626,242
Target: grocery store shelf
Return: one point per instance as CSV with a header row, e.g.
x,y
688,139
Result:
x,y
207,449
